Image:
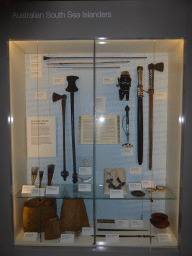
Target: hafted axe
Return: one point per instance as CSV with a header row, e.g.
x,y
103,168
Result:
x,y
152,67
63,98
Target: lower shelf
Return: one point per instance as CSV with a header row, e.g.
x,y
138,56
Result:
x,y
88,241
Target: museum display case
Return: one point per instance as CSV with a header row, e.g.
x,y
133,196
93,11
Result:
x,y
96,141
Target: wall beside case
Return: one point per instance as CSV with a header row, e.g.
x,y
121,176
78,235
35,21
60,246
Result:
x,y
169,176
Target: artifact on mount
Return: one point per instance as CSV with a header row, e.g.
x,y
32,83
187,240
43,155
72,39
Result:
x,y
119,229
88,63
114,178
70,67
159,220
138,193
63,98
40,177
127,127
84,57
34,172
105,221
156,189
73,215
53,229
124,82
160,188
85,180
36,213
140,115
139,236
72,88
51,168
152,67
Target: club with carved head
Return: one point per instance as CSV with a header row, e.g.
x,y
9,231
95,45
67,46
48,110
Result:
x,y
72,88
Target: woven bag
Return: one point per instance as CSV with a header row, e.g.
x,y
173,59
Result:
x,y
53,229
73,215
36,213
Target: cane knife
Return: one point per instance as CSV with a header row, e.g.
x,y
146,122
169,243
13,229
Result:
x,y
63,98
72,88
140,115
152,67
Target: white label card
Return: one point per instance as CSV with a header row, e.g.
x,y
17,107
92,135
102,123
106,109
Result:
x,y
35,66
41,136
122,223
30,236
160,95
52,190
116,193
134,186
58,80
147,183
35,58
112,238
127,151
38,192
35,74
41,95
108,80
27,188
67,238
164,238
107,129
100,104
135,170
136,223
84,187
85,170
87,231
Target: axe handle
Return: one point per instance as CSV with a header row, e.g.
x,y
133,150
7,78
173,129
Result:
x,y
63,103
75,178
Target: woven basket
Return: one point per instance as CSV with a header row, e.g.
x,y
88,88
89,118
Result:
x,y
73,215
53,229
36,213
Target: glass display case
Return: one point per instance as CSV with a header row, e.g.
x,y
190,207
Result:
x,y
96,141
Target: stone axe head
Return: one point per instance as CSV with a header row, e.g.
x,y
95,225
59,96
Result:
x,y
159,66
57,97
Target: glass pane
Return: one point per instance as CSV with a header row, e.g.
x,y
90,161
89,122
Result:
x,y
51,88
122,192
138,102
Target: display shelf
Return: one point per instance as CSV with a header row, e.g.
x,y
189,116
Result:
x,y
82,240
71,191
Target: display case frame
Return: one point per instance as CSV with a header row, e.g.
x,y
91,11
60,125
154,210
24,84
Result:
x,y
16,250
28,58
